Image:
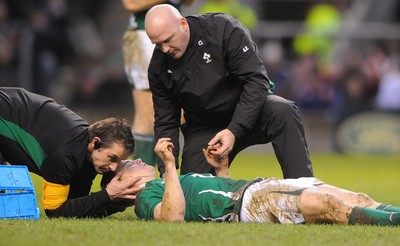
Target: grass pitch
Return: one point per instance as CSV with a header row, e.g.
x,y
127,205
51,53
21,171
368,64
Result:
x,y
375,175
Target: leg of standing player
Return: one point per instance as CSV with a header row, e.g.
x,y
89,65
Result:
x,y
137,50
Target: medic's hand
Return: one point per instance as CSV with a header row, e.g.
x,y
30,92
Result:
x,y
125,189
221,165
214,160
226,139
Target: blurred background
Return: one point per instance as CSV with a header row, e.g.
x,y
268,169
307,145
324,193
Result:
x,y
338,60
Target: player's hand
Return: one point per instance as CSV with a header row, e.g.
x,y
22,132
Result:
x,y
226,139
123,189
163,149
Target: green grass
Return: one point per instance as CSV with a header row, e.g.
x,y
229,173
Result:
x,y
374,175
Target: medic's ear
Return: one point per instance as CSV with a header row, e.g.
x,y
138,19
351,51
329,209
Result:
x,y
97,144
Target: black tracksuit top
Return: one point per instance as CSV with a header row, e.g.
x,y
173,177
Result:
x,y
219,81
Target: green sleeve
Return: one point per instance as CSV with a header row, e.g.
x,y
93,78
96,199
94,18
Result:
x,y
148,199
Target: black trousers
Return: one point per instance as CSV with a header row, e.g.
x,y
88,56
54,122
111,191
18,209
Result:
x,y
279,123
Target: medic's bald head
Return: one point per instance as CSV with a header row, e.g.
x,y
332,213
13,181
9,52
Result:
x,y
167,29
160,19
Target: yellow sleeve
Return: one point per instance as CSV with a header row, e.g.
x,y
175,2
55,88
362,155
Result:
x,y
54,195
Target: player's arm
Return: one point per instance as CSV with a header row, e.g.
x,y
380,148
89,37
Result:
x,y
220,164
173,205
134,6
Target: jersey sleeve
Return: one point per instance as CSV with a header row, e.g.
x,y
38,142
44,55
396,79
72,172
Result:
x,y
148,199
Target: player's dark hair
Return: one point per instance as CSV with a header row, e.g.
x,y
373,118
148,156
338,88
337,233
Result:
x,y
113,130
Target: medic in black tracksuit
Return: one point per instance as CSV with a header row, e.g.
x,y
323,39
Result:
x,y
220,82
52,141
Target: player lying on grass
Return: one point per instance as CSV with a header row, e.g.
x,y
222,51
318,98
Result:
x,y
203,197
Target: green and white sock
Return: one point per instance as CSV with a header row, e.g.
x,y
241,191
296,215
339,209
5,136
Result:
x,y
388,208
370,216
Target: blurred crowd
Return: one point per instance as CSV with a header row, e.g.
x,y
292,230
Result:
x,y
320,77
60,48
368,78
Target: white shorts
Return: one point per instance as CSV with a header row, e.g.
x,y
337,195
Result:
x,y
137,50
275,200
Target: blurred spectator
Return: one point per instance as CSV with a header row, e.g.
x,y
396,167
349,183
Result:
x,y
374,66
278,68
242,12
51,43
353,95
388,95
90,9
9,39
44,45
309,89
313,77
322,21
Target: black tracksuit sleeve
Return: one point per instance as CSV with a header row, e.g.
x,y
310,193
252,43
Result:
x,y
244,62
93,205
167,114
80,203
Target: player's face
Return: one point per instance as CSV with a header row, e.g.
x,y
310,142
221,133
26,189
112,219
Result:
x,y
137,168
173,40
107,159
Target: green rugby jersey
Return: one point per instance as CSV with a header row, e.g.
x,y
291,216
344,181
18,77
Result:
x,y
208,198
